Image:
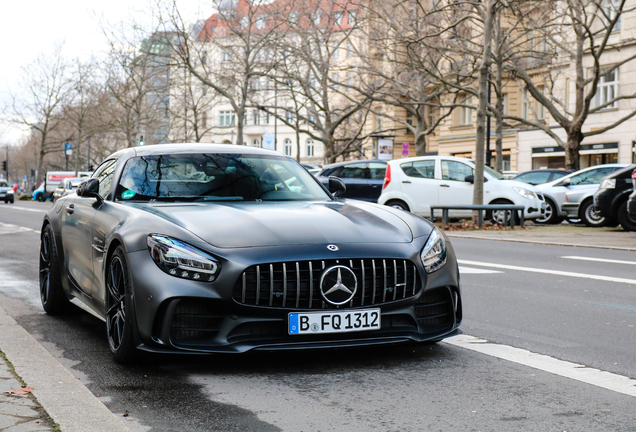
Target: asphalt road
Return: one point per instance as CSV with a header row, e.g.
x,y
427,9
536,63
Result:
x,y
562,314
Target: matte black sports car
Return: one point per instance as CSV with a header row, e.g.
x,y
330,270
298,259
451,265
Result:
x,y
221,248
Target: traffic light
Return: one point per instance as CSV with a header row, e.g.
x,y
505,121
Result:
x,y
4,166
141,139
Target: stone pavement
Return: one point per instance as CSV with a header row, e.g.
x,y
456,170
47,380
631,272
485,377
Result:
x,y
562,234
19,413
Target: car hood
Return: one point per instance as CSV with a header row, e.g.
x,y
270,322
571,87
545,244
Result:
x,y
248,224
516,183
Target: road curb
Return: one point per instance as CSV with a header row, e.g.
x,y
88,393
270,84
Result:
x,y
69,403
519,240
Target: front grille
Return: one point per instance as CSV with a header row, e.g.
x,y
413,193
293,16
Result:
x,y
193,320
435,308
296,284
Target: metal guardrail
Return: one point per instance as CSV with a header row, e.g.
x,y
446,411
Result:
x,y
481,208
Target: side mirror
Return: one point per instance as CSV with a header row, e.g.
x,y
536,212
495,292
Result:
x,y
565,182
89,189
469,178
336,186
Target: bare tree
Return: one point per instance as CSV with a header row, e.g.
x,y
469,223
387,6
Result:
x,y
577,33
44,89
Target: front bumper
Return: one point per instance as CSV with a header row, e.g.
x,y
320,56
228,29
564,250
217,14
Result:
x,y
603,202
177,315
571,210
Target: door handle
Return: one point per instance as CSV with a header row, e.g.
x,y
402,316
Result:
x,y
406,181
444,185
70,208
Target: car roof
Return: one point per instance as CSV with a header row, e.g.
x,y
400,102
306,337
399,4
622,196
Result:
x,y
185,148
433,157
337,164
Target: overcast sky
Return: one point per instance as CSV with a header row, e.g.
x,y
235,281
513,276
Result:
x,y
29,28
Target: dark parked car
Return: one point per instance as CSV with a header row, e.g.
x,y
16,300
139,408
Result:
x,y
363,179
219,248
540,176
631,201
610,200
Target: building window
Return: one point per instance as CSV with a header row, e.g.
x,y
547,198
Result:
x,y
465,113
524,104
311,150
289,116
337,18
288,147
256,117
226,56
349,80
261,22
351,17
227,118
204,120
266,118
607,90
317,17
335,77
336,51
204,58
611,9
256,143
540,107
378,119
349,48
294,18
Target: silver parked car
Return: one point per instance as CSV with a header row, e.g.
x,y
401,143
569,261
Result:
x,y
68,185
555,191
579,204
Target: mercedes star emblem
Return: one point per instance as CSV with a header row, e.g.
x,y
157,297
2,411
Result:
x,y
332,248
338,285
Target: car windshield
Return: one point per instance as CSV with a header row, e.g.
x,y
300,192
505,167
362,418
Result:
x,y
216,177
493,173
3,183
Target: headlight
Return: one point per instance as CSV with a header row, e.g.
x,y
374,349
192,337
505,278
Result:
x,y
608,184
182,260
524,192
10,191
433,254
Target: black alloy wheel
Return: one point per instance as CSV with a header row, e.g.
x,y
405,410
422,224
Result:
x,y
627,221
589,216
119,309
52,295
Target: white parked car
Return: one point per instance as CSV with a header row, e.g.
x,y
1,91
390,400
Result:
x,y
415,184
555,191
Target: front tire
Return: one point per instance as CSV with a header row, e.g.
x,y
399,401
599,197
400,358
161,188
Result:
x,y
627,221
590,217
41,197
551,215
52,295
119,322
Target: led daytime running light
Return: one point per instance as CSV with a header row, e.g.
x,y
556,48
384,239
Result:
x,y
181,260
434,253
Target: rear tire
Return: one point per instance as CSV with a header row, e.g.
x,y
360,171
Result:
x,y
398,205
41,197
627,221
52,295
590,217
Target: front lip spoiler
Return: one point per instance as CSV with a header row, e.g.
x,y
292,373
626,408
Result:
x,y
353,343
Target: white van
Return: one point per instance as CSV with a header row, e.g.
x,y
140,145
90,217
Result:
x,y
415,184
53,180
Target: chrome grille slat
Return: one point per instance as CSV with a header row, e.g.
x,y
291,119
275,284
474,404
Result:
x,y
284,284
297,284
271,284
385,275
364,282
258,284
311,284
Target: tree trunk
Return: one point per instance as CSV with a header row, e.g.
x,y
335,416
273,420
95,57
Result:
x,y
420,143
572,158
484,69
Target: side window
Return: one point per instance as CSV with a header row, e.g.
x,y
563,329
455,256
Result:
x,y
453,170
591,176
104,174
377,170
355,171
419,169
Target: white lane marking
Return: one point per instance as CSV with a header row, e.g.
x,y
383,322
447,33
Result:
x,y
15,228
578,372
26,209
550,272
599,260
470,270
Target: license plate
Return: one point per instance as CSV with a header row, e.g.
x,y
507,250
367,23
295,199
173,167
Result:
x,y
334,322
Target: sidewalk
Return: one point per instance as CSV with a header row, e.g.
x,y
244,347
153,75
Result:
x,y
563,234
